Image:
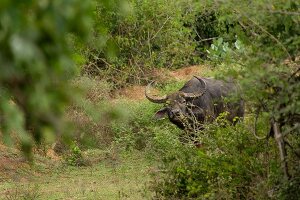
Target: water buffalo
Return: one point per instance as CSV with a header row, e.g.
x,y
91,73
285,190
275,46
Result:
x,y
200,100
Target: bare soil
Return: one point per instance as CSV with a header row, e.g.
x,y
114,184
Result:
x,y
137,92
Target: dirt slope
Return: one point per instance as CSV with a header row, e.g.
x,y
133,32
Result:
x,y
161,75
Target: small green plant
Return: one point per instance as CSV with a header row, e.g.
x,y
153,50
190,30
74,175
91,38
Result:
x,y
75,158
221,51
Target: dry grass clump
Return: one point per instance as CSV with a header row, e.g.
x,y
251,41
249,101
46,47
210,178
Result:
x,y
86,114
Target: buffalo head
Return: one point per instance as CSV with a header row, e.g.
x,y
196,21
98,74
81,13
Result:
x,y
181,107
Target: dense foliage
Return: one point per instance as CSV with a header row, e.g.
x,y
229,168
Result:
x,y
255,42
269,60
155,34
36,64
261,51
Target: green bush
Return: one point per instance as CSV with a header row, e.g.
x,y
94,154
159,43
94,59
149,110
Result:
x,y
139,127
209,26
262,57
88,115
74,157
230,165
36,64
153,35
92,117
290,189
267,68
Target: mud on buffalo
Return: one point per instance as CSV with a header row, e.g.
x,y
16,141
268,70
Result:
x,y
199,101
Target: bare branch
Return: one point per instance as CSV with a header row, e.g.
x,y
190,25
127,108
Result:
x,y
207,39
281,146
283,12
255,124
160,28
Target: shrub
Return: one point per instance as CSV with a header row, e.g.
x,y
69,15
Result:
x,y
35,65
92,115
267,69
290,189
229,166
74,157
209,26
139,128
153,35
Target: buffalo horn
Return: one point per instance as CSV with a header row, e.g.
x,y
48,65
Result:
x,y
198,93
152,98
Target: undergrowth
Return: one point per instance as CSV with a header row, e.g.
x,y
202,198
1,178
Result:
x,y
232,164
141,36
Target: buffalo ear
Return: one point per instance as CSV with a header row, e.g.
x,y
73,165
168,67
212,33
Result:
x,y
161,113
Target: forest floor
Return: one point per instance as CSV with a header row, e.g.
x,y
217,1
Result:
x,y
114,176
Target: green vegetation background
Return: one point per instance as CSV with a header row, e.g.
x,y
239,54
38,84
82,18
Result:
x,y
60,62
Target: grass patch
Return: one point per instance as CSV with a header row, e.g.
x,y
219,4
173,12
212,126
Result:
x,y
119,176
